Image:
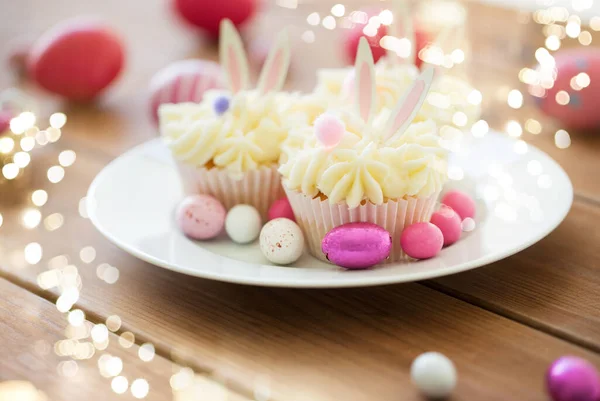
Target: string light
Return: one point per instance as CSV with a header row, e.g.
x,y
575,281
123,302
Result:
x,y
140,388
515,99
119,384
338,10
39,197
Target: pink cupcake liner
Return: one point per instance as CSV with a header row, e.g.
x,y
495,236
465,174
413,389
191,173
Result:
x,y
317,217
258,188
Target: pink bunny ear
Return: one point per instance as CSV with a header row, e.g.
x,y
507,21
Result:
x,y
233,58
276,66
403,18
364,80
410,104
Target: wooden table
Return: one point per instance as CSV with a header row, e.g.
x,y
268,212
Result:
x,y
502,324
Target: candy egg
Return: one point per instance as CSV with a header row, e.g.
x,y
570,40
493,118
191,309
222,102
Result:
x,y
573,379
422,240
434,374
207,14
449,223
183,81
357,245
5,117
201,217
281,208
243,224
281,241
575,90
461,202
76,59
329,130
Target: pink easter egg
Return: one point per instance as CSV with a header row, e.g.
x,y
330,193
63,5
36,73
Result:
x,y
329,130
422,240
357,245
449,223
201,217
5,117
281,208
183,81
577,83
77,59
207,14
461,202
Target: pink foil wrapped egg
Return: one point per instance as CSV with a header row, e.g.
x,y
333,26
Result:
x,y
461,202
201,217
449,223
575,94
207,14
77,59
422,240
357,245
281,208
183,81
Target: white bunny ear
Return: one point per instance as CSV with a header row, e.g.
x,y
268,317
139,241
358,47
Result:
x,y
408,107
233,58
402,17
364,80
276,66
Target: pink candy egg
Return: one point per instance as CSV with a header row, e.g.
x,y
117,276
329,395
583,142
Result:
x,y
183,81
573,379
201,217
5,117
449,223
281,208
462,203
357,245
76,59
578,81
329,130
422,240
207,14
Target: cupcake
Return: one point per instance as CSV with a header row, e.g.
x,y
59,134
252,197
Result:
x,y
229,145
361,165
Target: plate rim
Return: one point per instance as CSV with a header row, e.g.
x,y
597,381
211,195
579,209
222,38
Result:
x,y
331,283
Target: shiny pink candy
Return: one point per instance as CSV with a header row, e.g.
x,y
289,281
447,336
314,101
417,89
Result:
x,y
201,217
573,379
357,245
462,203
449,223
422,240
329,130
281,208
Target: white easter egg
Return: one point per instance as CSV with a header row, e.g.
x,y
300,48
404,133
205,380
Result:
x,y
281,241
434,374
243,224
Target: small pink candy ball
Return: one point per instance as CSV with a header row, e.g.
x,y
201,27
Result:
x,y
329,130
201,217
462,203
573,379
281,208
449,223
422,240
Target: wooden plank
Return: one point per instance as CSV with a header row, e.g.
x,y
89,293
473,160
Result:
x,y
315,343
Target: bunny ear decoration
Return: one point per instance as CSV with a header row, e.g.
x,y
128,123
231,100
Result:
x,y
402,17
409,105
364,81
276,66
233,58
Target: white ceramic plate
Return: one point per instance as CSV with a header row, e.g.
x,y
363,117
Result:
x,y
522,196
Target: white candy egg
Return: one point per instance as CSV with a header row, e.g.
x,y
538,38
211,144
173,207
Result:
x,y
281,241
243,224
434,374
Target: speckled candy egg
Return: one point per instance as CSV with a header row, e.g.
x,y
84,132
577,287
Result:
x,y
357,245
183,81
461,202
422,240
243,224
77,59
434,374
281,208
449,223
201,217
575,94
573,379
281,241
